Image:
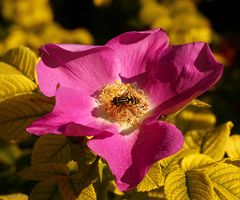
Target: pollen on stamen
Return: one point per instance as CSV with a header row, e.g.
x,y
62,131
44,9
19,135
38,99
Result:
x,y
129,106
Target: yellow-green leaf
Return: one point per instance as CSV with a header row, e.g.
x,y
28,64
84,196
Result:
x,y
46,190
172,162
87,193
9,152
200,104
51,148
195,118
73,166
72,186
19,112
218,195
45,171
211,142
192,185
157,194
232,161
195,162
69,188
153,179
225,179
80,151
58,148
17,196
113,188
23,59
75,188
233,146
13,82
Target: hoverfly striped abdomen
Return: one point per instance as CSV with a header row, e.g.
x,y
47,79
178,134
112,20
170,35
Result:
x,y
125,100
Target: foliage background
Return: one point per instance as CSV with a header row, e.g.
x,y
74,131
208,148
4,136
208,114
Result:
x,y
33,23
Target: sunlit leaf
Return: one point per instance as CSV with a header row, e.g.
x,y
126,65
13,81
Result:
x,y
211,142
23,59
232,161
199,103
195,118
172,162
87,193
14,197
72,167
179,116
233,147
112,187
18,112
101,169
192,185
225,179
46,190
195,162
45,171
13,82
152,180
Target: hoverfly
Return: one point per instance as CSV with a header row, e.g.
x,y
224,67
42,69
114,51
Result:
x,y
125,98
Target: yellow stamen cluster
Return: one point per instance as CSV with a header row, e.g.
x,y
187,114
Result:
x,y
127,113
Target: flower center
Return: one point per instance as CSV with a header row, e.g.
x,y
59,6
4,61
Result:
x,y
123,103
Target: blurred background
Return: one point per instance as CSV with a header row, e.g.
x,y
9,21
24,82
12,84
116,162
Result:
x,y
33,23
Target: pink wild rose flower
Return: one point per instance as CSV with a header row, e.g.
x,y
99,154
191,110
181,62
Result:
x,y
118,92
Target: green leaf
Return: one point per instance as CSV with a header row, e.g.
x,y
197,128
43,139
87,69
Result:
x,y
19,112
153,179
17,196
58,148
45,171
192,185
51,148
75,188
78,146
23,59
138,196
13,82
211,142
172,162
225,179
196,161
70,187
87,193
46,190
233,147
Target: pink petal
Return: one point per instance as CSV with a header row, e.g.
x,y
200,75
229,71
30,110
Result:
x,y
130,156
180,74
134,48
72,116
76,66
